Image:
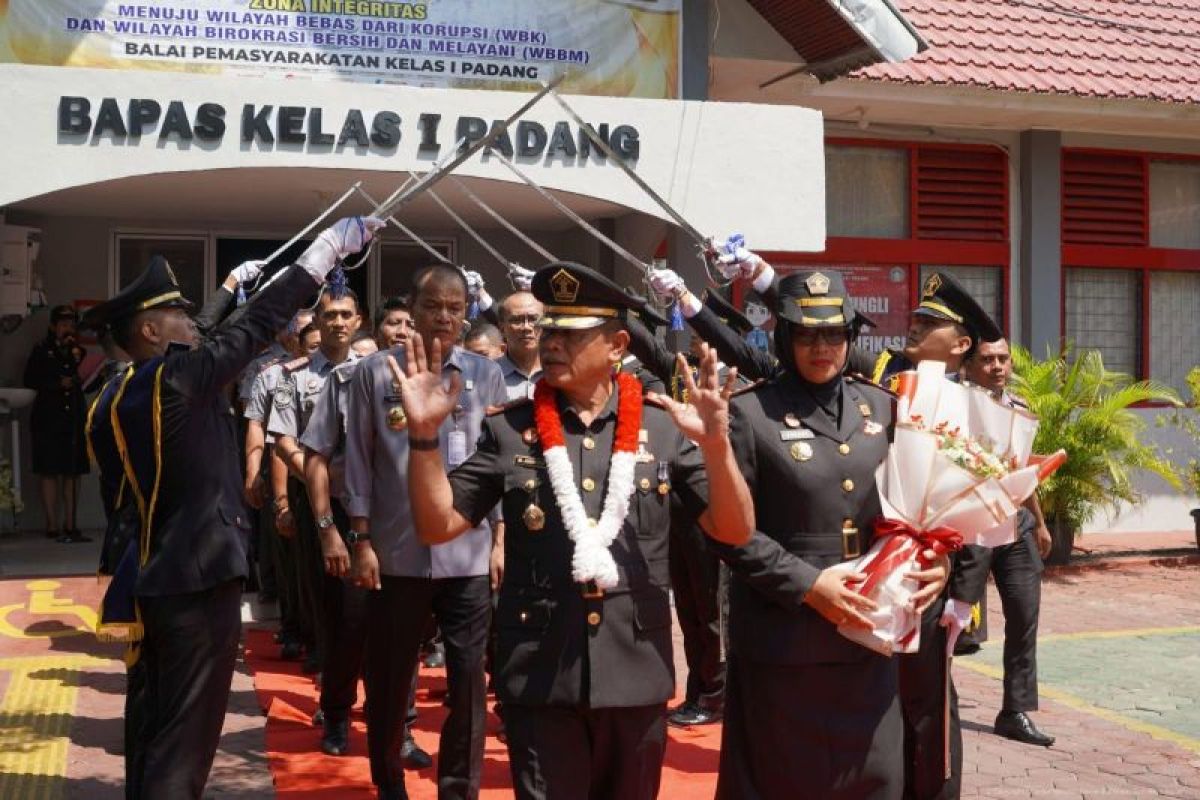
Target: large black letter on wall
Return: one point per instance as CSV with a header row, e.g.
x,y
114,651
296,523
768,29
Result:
x,y
74,115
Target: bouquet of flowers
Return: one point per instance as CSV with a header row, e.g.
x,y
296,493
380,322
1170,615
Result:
x,y
959,468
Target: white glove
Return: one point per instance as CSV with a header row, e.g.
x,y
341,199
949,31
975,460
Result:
x,y
667,283
247,271
733,259
343,238
475,291
955,617
522,279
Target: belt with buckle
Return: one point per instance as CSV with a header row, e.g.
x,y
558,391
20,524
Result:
x,y
850,547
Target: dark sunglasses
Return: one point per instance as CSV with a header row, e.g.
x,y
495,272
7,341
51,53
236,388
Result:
x,y
810,336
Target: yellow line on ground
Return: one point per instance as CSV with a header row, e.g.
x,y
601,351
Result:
x,y
1119,634
35,720
1079,704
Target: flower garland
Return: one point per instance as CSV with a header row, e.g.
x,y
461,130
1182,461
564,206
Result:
x,y
592,560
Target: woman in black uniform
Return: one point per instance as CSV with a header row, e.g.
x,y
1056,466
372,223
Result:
x,y
59,449
810,714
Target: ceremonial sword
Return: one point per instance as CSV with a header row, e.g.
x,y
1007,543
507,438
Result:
x,y
462,223
433,251
444,168
513,229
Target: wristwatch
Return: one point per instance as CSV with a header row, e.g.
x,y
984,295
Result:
x,y
324,521
354,537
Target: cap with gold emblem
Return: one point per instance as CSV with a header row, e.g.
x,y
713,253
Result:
x,y
156,287
818,299
943,297
576,297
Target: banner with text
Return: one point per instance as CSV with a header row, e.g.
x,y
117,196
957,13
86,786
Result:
x,y
620,48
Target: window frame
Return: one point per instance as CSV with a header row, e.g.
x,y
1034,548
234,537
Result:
x,y
1143,259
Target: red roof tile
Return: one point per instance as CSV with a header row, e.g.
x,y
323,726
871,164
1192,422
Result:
x,y
1113,49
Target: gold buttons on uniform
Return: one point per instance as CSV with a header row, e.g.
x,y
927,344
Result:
x,y
589,443
847,485
589,485
844,449
594,618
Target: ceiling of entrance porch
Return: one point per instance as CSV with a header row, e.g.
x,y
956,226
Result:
x,y
290,197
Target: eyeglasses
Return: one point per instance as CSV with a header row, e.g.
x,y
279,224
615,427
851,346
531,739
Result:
x,y
810,336
521,320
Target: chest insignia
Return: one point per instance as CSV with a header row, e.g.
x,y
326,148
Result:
x,y
801,451
529,436
796,435
397,420
791,420
864,409
871,428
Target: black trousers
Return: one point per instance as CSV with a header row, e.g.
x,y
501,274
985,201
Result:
x,y
397,619
310,569
1017,570
187,660
280,552
812,732
926,689
565,753
696,583
344,624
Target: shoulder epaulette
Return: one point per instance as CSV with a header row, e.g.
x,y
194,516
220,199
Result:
x,y
500,409
295,364
862,380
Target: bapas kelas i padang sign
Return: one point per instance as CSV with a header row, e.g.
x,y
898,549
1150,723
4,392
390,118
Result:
x,y
310,126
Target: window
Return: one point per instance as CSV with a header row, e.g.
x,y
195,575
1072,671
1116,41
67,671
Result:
x,y
187,256
1102,314
867,191
1175,204
399,260
1131,258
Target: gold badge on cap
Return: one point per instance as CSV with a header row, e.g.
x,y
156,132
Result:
x,y
932,284
801,451
564,286
817,283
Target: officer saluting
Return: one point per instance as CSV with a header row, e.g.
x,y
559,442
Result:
x,y
584,472
169,428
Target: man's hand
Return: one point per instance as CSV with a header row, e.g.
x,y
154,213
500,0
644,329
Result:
x,y
932,579
285,523
247,271
253,490
1041,535
364,567
334,552
427,400
705,417
496,566
836,601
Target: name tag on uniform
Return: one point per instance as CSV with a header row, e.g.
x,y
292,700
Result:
x,y
529,462
796,434
393,398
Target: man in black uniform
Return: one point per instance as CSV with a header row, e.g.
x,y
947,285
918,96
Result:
x,y
1017,569
583,472
174,435
946,326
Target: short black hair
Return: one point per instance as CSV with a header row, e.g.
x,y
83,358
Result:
x,y
346,292
394,303
436,272
481,329
307,329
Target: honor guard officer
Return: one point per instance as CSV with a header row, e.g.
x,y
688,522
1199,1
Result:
x,y
809,713
947,325
178,447
583,472
410,579
336,318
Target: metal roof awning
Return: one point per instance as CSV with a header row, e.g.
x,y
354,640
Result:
x,y
835,37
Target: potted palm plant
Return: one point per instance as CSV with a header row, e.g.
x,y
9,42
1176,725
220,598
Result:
x,y
1188,420
1087,410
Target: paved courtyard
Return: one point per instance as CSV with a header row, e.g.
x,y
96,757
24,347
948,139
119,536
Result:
x,y
1119,662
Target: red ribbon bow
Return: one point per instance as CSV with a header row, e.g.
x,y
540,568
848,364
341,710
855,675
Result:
x,y
899,547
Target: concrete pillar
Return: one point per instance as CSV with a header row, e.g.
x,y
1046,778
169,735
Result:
x,y
1041,240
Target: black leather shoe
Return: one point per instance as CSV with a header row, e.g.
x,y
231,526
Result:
x,y
434,660
335,741
689,714
291,651
1017,725
412,757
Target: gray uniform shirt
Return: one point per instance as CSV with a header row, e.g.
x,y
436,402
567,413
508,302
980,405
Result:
x,y
275,354
377,464
262,395
295,399
517,384
325,432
